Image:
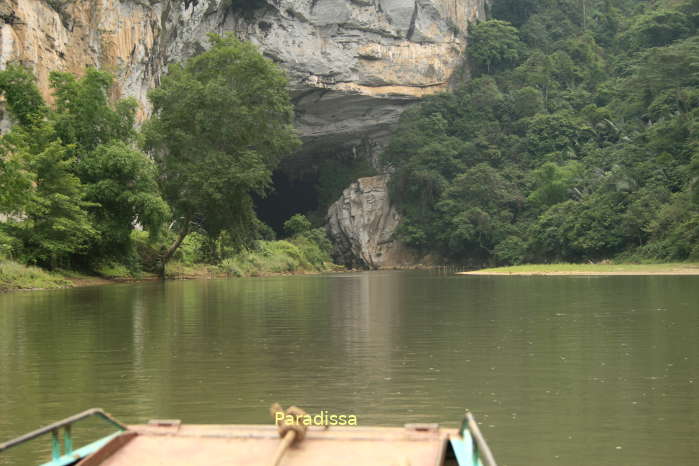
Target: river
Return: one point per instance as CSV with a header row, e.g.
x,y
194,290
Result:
x,y
559,370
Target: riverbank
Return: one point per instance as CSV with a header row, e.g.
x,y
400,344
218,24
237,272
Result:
x,y
680,268
269,258
14,276
18,277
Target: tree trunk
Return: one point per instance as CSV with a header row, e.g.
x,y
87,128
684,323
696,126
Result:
x,y
167,255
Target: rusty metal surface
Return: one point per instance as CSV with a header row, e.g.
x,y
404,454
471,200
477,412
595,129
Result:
x,y
212,445
114,445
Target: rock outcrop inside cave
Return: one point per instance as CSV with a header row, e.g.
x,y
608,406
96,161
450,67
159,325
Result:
x,y
361,225
353,64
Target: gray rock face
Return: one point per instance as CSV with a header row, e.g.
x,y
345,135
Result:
x,y
353,64
361,225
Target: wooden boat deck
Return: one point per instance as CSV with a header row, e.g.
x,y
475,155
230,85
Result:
x,y
211,445
168,442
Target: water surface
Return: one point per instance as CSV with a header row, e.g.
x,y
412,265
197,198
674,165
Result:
x,y
559,370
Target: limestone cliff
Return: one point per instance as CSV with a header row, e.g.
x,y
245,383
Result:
x,y
353,64
68,35
361,225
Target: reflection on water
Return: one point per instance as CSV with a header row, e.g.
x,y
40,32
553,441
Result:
x,y
560,370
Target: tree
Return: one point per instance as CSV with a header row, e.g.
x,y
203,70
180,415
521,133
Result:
x,y
25,103
554,133
83,115
221,123
16,179
54,222
494,44
586,150
694,181
121,183
527,102
515,11
69,178
297,224
45,199
657,28
26,107
555,183
477,209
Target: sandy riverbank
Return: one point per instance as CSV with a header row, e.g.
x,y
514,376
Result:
x,y
591,269
35,279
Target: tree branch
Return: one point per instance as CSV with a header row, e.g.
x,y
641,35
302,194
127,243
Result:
x,y
167,255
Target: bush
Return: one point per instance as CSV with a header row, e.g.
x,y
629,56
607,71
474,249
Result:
x,y
14,276
511,251
297,224
309,252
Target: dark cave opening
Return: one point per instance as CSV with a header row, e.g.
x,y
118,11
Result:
x,y
291,195
309,185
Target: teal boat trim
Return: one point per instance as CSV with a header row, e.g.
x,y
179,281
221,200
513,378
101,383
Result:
x,y
66,455
465,446
82,452
463,449
470,448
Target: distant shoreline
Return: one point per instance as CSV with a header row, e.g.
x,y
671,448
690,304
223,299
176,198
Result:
x,y
590,270
29,278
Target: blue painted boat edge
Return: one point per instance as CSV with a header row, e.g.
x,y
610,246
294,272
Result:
x,y
466,454
82,452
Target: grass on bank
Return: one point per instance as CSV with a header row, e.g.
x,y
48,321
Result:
x,y
15,276
299,255
677,268
308,252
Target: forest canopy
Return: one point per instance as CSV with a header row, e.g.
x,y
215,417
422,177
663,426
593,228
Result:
x,y
575,140
82,188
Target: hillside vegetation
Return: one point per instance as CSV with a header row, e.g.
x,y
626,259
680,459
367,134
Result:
x,y
15,276
576,140
82,188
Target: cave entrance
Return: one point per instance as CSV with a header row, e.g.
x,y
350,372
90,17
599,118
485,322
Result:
x,y
292,194
309,186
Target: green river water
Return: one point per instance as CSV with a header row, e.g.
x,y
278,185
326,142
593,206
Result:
x,y
558,370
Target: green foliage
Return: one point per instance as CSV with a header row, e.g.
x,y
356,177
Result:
x,y
26,107
511,250
83,116
309,252
114,270
23,99
121,184
515,11
16,179
555,183
575,149
657,28
75,191
494,45
694,179
527,102
477,209
72,185
222,121
15,276
53,224
297,224
193,249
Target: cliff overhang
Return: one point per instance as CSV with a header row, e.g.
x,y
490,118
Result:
x,y
353,65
